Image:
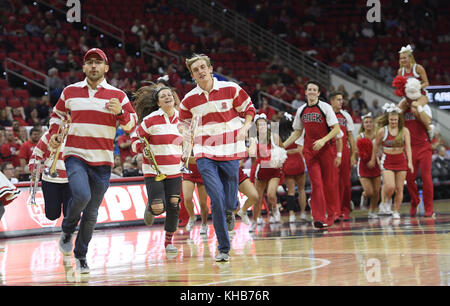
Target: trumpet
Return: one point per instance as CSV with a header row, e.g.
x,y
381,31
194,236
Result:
x,y
148,153
34,181
63,131
187,153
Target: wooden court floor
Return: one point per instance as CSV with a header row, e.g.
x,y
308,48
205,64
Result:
x,y
380,252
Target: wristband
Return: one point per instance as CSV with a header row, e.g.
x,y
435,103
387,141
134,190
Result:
x,y
339,154
420,108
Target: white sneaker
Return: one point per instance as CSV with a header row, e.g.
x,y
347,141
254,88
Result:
x,y
272,219
277,215
259,220
204,229
291,218
372,215
252,227
190,224
388,209
395,215
244,217
170,248
303,216
362,204
382,209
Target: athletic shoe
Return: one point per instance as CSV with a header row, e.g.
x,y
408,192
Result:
x,y
319,224
303,216
82,266
170,248
382,209
65,244
252,227
190,224
272,219
222,257
395,215
230,220
243,216
259,221
372,215
277,215
388,208
291,218
361,203
204,229
413,209
430,215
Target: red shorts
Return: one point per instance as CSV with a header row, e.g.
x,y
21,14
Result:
x,y
364,171
242,176
264,174
294,165
394,162
195,176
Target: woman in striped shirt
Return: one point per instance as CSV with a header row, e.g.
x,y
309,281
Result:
x,y
158,118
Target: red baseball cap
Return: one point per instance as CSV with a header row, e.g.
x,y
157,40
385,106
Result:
x,y
96,51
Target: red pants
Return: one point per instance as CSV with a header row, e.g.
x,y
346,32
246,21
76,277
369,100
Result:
x,y
345,188
323,177
421,159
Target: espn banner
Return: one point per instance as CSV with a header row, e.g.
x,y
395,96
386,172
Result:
x,y
123,204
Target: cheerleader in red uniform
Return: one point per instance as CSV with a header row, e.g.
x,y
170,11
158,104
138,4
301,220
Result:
x,y
267,176
187,192
369,177
294,171
395,140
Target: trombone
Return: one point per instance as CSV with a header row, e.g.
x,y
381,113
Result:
x,y
34,181
186,154
63,131
148,153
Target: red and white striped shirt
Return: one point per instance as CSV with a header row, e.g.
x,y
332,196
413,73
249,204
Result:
x,y
220,112
42,152
165,141
93,127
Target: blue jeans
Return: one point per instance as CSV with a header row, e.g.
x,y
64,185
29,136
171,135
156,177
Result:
x,y
221,181
88,185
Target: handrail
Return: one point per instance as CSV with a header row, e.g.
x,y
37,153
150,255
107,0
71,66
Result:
x,y
7,70
120,37
248,32
271,98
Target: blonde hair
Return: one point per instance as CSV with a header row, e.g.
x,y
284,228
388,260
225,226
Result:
x,y
383,121
412,60
195,57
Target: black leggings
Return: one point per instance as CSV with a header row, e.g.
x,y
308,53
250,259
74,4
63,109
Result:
x,y
56,196
167,191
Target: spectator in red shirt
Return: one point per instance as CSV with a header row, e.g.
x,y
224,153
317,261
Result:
x,y
26,150
10,148
18,114
124,142
266,109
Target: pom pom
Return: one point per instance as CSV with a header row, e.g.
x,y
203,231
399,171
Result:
x,y
399,83
365,147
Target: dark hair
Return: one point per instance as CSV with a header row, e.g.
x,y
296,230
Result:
x,y
3,166
334,94
146,100
313,82
285,127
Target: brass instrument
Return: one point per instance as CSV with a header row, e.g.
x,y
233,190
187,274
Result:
x,y
34,181
187,153
63,131
148,153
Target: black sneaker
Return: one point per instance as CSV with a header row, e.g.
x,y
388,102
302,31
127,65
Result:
x,y
82,265
230,220
318,224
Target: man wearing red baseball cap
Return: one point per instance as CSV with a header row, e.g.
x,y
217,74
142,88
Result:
x,y
94,108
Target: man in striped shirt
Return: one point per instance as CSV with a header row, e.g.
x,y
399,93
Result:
x,y
219,141
95,107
